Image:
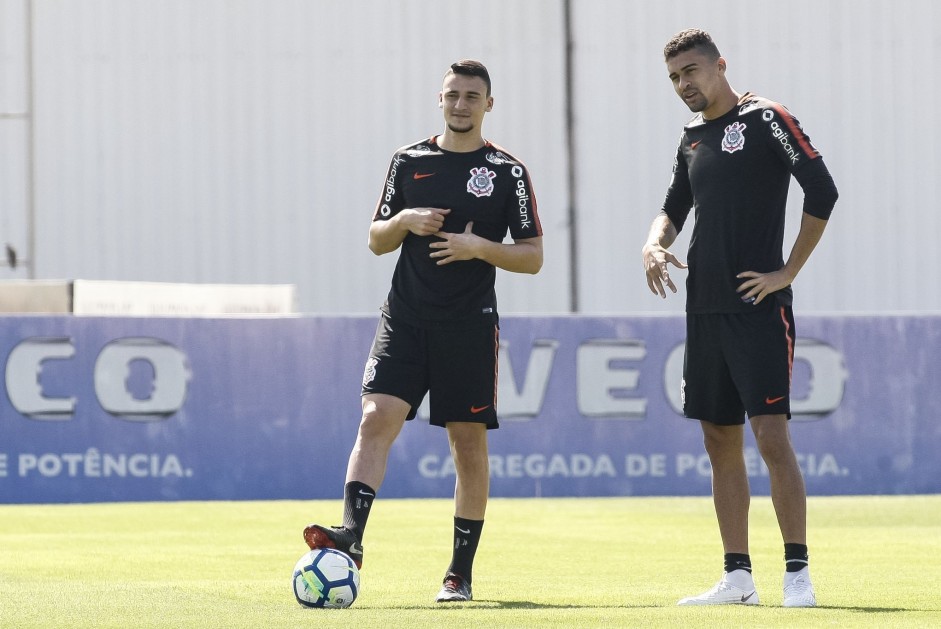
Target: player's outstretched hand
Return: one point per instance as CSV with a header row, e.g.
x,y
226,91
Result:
x,y
656,261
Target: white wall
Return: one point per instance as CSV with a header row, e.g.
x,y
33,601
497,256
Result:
x,y
857,73
246,140
14,131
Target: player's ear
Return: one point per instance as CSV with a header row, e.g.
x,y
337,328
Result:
x,y
489,103
440,99
722,65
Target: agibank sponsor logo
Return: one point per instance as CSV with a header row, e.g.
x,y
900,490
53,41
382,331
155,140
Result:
x,y
385,210
785,139
522,196
390,182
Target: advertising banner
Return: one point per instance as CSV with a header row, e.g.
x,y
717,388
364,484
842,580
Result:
x,y
114,409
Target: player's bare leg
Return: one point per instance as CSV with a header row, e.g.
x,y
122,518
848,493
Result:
x,y
472,463
789,497
787,483
383,417
731,497
468,443
730,490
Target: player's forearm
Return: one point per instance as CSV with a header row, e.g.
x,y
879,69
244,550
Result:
x,y
662,232
522,256
811,230
386,236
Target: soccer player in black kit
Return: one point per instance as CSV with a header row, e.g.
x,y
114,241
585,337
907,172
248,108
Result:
x,y
447,204
733,166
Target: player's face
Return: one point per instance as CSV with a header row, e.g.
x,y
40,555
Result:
x,y
697,79
464,101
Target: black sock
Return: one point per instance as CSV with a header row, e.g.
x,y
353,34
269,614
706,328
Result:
x,y
795,557
466,538
357,501
737,561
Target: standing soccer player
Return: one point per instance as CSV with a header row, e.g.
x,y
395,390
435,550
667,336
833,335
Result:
x,y
733,166
446,204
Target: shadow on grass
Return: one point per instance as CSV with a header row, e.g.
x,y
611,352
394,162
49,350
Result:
x,y
495,604
877,610
485,604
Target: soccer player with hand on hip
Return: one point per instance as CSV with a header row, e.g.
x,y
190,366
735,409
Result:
x,y
733,167
446,205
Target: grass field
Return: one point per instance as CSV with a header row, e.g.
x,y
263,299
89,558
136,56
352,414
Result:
x,y
608,562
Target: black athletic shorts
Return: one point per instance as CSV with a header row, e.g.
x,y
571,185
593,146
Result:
x,y
739,363
457,367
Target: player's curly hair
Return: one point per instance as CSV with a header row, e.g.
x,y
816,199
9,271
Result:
x,y
689,39
470,67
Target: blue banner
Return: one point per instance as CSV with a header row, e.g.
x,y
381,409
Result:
x,y
107,409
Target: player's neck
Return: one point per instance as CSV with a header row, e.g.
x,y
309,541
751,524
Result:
x,y
723,105
457,142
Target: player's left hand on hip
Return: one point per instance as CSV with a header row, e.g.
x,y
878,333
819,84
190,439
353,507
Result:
x,y
759,285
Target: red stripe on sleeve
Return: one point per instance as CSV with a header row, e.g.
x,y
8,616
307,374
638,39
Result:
x,y
796,131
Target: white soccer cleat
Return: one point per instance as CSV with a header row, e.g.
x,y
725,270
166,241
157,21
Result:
x,y
798,590
456,589
735,588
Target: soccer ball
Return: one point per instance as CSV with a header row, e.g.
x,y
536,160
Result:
x,y
325,577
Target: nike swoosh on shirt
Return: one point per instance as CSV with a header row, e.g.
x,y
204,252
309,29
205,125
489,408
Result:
x,y
421,175
478,409
693,145
772,400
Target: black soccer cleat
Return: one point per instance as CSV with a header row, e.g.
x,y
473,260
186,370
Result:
x,y
456,589
338,537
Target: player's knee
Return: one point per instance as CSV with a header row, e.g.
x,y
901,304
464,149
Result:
x,y
381,422
775,452
721,440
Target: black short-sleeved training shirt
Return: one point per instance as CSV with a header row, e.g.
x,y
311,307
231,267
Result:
x,y
489,187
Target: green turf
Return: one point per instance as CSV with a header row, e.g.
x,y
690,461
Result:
x,y
608,562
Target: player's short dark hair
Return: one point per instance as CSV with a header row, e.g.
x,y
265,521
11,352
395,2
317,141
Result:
x,y
689,39
471,67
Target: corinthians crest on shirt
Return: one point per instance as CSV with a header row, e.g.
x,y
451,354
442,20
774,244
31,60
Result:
x,y
734,139
480,183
